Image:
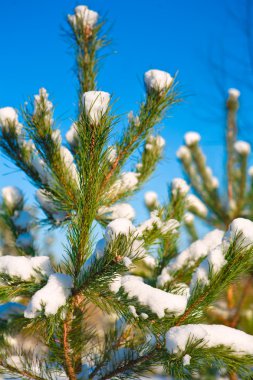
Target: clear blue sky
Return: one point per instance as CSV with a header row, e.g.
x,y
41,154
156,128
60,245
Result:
x,y
189,36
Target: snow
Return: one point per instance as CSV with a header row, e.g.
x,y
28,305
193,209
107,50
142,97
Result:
x,y
149,224
215,182
157,80
56,136
170,225
242,147
186,360
96,104
127,262
158,301
151,199
120,226
250,171
154,221
163,278
68,160
24,240
120,210
150,261
100,247
51,297
179,185
196,205
12,196
43,105
133,311
213,336
183,153
234,93
111,154
72,135
10,308
243,226
128,180
133,119
88,17
214,262
139,166
40,166
22,219
188,218
98,253
191,138
43,198
25,267
196,251
155,141
8,115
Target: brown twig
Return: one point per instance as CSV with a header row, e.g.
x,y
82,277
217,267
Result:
x,y
67,350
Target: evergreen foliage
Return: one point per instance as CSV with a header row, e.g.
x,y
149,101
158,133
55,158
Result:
x,y
107,310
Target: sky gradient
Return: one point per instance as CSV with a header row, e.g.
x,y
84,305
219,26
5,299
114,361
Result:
x,y
207,42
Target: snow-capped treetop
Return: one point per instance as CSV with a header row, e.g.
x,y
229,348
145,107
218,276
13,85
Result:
x,y
157,80
213,335
151,198
242,147
118,226
184,153
12,196
88,17
234,93
243,226
25,267
96,104
8,115
179,185
191,138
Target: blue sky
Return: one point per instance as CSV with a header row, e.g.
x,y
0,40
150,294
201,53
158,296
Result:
x,y
193,37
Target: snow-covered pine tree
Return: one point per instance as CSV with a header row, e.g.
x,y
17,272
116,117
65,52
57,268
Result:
x,y
93,316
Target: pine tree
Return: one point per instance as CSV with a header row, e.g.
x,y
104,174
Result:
x,y
123,306
218,209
